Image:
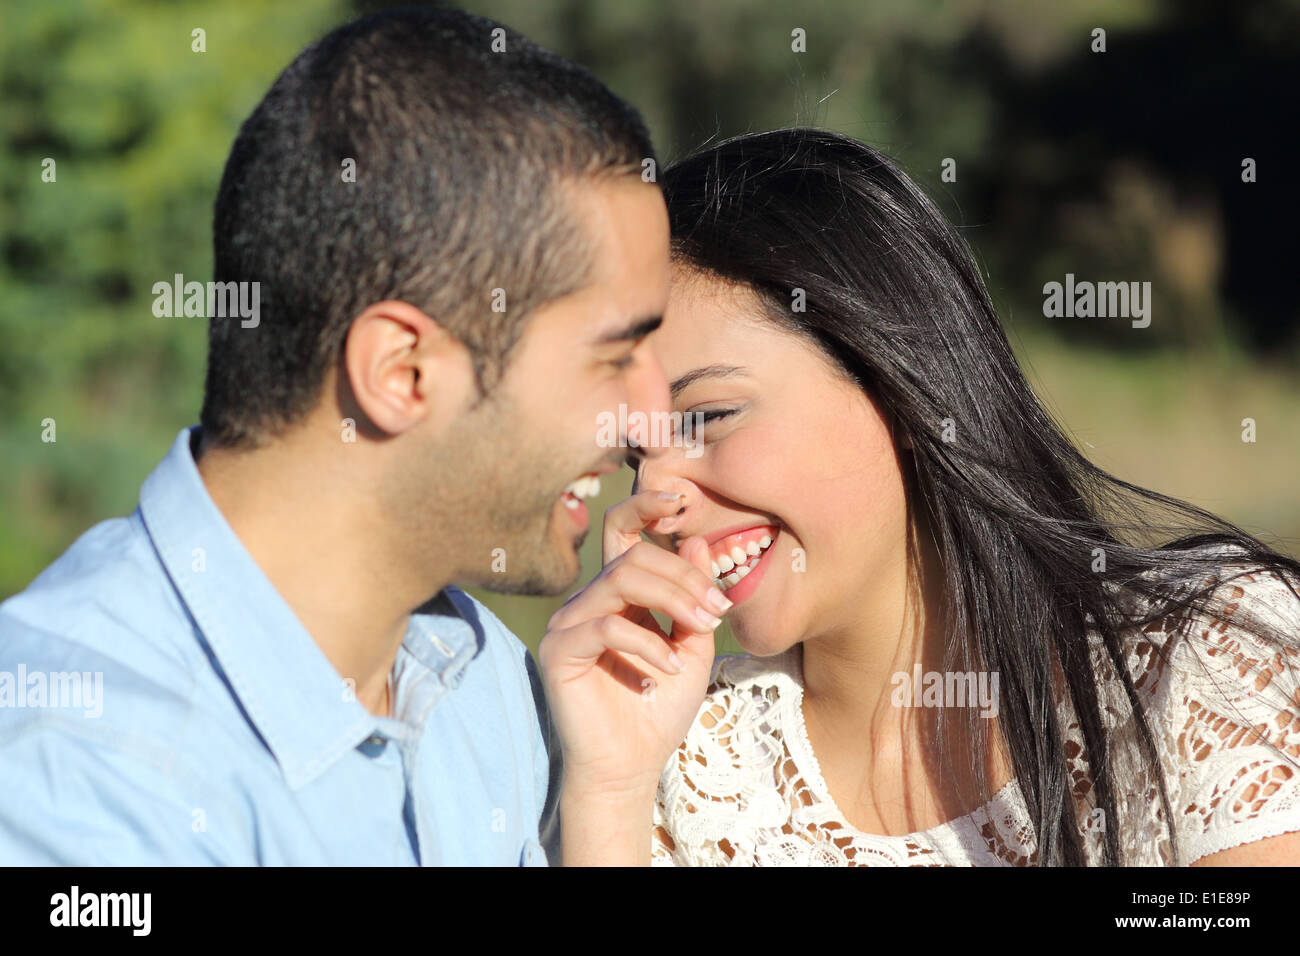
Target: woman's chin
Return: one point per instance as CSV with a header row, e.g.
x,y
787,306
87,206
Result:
x,y
760,645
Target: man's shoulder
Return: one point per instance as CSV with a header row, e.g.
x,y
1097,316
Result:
x,y
111,568
106,603
98,651
111,714
104,736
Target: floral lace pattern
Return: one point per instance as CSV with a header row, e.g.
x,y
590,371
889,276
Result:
x,y
745,788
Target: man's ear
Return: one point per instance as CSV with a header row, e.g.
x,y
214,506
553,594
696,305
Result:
x,y
404,368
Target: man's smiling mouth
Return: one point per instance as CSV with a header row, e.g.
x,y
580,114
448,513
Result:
x,y
585,486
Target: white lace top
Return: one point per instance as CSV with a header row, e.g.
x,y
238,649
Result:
x,y
745,789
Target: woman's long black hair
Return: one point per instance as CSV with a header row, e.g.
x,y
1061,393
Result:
x,y
1038,544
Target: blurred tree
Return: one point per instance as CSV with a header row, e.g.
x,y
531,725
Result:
x,y
1117,165
137,123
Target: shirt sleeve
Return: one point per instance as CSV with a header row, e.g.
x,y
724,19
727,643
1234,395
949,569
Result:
x,y
71,801
1233,719
549,754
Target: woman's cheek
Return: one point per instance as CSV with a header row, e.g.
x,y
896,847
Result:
x,y
756,471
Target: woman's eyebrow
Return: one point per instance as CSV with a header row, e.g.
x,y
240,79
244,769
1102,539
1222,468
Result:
x,y
708,371
637,330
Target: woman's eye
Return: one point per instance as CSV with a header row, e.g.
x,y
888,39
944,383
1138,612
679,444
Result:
x,y
693,420
684,429
624,362
713,414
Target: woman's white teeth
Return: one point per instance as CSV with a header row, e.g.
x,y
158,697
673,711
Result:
x,y
730,567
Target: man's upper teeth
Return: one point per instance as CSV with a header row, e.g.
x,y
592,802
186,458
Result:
x,y
588,486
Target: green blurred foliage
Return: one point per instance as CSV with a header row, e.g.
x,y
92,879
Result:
x,y
139,125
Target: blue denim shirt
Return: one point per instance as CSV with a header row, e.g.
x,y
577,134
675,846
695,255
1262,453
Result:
x,y
160,703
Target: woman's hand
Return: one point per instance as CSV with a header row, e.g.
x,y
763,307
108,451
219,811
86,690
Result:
x,y
620,704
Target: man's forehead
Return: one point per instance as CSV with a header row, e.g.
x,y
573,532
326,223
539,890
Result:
x,y
627,221
627,330
629,275
625,289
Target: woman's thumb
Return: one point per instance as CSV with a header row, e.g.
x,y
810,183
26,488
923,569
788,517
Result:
x,y
696,551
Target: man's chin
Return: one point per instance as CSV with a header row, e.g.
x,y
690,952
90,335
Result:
x,y
547,574
533,583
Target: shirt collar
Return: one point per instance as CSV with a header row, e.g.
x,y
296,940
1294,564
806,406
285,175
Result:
x,y
293,696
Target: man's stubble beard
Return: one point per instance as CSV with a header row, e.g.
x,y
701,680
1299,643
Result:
x,y
486,488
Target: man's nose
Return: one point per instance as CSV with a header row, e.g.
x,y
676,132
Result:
x,y
648,391
648,395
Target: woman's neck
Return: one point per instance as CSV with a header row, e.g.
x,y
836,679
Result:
x,y
890,624
861,706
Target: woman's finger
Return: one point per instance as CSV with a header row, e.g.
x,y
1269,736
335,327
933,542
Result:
x,y
625,521
580,646
695,552
645,581
690,568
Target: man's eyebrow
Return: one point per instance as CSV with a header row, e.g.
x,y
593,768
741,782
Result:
x,y
708,371
637,330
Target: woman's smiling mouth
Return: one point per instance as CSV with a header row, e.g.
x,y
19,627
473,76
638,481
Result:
x,y
739,558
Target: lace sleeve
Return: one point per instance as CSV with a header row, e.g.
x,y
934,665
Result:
x,y
1232,713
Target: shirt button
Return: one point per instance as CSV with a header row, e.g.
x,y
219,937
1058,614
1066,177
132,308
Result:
x,y
533,854
376,740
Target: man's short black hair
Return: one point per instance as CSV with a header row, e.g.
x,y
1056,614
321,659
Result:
x,y
460,151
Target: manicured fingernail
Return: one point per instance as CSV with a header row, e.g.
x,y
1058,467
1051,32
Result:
x,y
707,619
669,495
717,600
675,661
